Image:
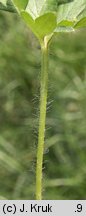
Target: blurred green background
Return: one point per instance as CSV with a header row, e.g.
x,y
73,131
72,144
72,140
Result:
x,y
64,168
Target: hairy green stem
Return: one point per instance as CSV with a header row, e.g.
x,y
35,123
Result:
x,y
42,118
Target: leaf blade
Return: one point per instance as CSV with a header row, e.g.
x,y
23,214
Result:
x,y
41,26
20,4
81,23
71,14
37,8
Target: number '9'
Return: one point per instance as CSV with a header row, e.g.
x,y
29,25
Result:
x,y
79,207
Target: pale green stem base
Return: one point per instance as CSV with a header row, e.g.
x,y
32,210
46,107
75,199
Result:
x,y
42,119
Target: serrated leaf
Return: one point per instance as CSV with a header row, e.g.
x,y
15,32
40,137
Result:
x,y
21,4
42,25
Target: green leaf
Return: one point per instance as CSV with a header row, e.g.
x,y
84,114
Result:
x,y
66,23
49,6
21,4
42,25
64,1
37,8
81,23
72,15
41,15
64,30
71,11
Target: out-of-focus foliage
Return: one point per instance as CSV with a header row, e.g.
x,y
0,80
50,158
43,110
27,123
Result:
x,y
7,5
65,144
18,72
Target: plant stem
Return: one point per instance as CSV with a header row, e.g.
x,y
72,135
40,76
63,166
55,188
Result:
x,y
42,118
